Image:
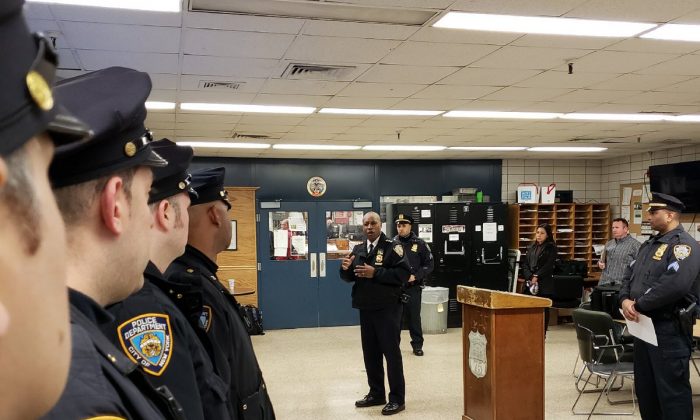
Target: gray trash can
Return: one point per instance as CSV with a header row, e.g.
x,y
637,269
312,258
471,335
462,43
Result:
x,y
433,310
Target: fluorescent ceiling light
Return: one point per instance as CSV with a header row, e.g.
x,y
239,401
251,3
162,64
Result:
x,y
489,148
685,118
354,111
503,115
541,25
319,147
403,148
615,117
675,32
272,109
157,105
567,149
223,145
147,5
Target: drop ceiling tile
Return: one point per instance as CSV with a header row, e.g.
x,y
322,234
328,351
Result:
x,y
186,117
302,87
163,95
686,65
633,10
639,82
148,62
563,41
67,60
291,100
360,102
562,79
488,76
532,58
491,105
656,46
228,66
161,117
556,106
592,96
437,54
406,74
340,50
436,104
461,92
243,23
385,90
207,134
164,81
235,43
222,97
661,98
37,11
132,38
46,25
357,30
618,62
111,15
525,94
515,7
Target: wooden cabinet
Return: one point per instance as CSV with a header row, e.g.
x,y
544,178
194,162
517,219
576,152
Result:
x,y
241,264
576,228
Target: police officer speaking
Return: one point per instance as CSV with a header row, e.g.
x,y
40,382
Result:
x,y
664,284
421,261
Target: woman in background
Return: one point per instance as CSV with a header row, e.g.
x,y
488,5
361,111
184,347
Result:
x,y
538,264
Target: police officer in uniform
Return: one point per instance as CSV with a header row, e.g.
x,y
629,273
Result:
x,y
34,322
421,261
175,357
379,271
101,188
663,283
220,324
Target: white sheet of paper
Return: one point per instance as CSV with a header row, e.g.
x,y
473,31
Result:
x,y
453,237
643,330
626,195
637,219
425,213
281,239
625,212
490,232
299,244
637,193
280,252
646,194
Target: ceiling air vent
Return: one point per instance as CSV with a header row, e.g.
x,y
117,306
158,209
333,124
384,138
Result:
x,y
316,72
244,136
219,85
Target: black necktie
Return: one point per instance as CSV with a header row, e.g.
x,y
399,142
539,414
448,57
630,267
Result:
x,y
371,247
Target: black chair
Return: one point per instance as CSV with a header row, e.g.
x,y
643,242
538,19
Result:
x,y
603,358
567,291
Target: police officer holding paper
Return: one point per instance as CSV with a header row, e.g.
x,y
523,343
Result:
x,y
663,283
379,270
421,261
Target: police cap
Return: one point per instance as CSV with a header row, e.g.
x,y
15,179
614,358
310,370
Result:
x,y
27,69
113,102
665,202
403,218
172,179
209,184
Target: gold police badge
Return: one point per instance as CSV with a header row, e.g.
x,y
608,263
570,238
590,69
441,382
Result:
x,y
660,252
414,248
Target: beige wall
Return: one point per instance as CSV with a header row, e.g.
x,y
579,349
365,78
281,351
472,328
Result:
x,y
593,180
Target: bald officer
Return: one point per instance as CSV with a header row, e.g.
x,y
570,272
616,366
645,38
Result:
x,y
663,283
32,234
378,270
102,189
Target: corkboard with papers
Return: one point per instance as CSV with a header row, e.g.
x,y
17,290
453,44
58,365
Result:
x,y
634,202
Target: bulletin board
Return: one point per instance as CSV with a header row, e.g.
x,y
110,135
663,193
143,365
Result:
x,y
634,202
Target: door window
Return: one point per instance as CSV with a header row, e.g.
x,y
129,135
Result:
x,y
343,232
289,235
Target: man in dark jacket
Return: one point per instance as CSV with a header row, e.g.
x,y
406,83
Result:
x,y
379,270
219,323
149,328
421,261
663,282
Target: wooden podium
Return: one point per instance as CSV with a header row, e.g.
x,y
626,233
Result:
x,y
502,354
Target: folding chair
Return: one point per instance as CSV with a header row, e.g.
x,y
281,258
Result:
x,y
513,268
602,359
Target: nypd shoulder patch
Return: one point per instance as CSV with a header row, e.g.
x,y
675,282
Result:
x,y
398,249
205,318
148,341
681,252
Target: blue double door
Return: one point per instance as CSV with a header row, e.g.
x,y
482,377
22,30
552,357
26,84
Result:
x,y
300,247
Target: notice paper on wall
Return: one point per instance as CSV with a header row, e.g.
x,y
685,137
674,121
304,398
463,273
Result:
x,y
453,237
425,213
637,220
490,232
425,232
625,212
626,196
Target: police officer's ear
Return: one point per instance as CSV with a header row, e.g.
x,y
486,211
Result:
x,y
214,215
114,205
163,216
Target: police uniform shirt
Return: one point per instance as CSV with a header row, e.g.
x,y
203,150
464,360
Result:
x,y
419,257
227,335
391,273
98,384
155,334
666,269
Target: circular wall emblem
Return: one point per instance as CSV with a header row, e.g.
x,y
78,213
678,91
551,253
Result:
x,y
316,186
